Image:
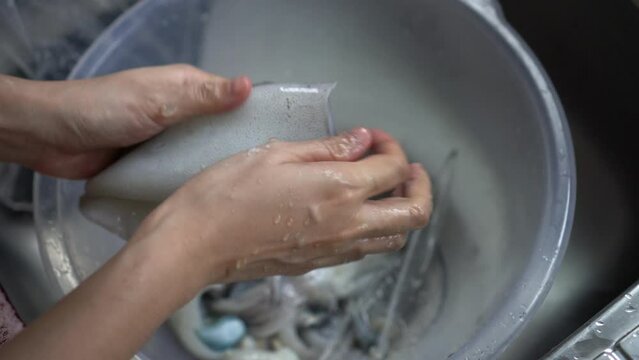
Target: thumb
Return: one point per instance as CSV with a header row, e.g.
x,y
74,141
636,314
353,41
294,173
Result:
x,y
179,92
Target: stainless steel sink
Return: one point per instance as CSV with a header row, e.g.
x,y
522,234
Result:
x,y
589,50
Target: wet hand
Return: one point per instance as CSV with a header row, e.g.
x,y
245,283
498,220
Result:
x,y
74,129
290,207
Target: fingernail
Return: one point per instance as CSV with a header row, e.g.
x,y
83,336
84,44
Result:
x,y
239,86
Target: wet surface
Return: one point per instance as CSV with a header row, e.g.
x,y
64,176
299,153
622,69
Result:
x,y
589,51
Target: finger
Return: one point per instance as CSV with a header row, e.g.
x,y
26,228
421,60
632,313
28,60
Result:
x,y
387,168
177,92
396,215
347,146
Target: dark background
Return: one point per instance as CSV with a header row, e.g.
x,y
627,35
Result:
x,y
590,49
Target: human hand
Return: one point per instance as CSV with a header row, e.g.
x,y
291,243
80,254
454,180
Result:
x,y
289,207
74,129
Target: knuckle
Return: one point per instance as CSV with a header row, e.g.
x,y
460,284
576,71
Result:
x,y
153,108
400,166
197,85
206,91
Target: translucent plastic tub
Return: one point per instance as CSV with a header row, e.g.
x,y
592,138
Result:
x,y
442,76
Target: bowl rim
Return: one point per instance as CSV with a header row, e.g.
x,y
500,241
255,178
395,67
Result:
x,y
530,289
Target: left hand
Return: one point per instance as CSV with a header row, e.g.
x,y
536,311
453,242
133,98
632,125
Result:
x,y
73,129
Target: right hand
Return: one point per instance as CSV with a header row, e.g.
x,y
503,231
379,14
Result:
x,y
290,207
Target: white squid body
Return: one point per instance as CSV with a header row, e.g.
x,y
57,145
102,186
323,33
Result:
x,y
122,195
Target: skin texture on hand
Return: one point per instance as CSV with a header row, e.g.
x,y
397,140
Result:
x,y
281,208
287,208
73,129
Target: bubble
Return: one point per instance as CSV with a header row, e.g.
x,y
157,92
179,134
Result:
x,y
254,151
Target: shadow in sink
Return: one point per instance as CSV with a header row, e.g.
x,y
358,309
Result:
x,y
589,50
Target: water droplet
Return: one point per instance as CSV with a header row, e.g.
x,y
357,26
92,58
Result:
x,y
628,296
598,331
290,221
307,222
630,309
168,110
286,237
300,239
545,258
240,263
277,219
389,244
599,323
